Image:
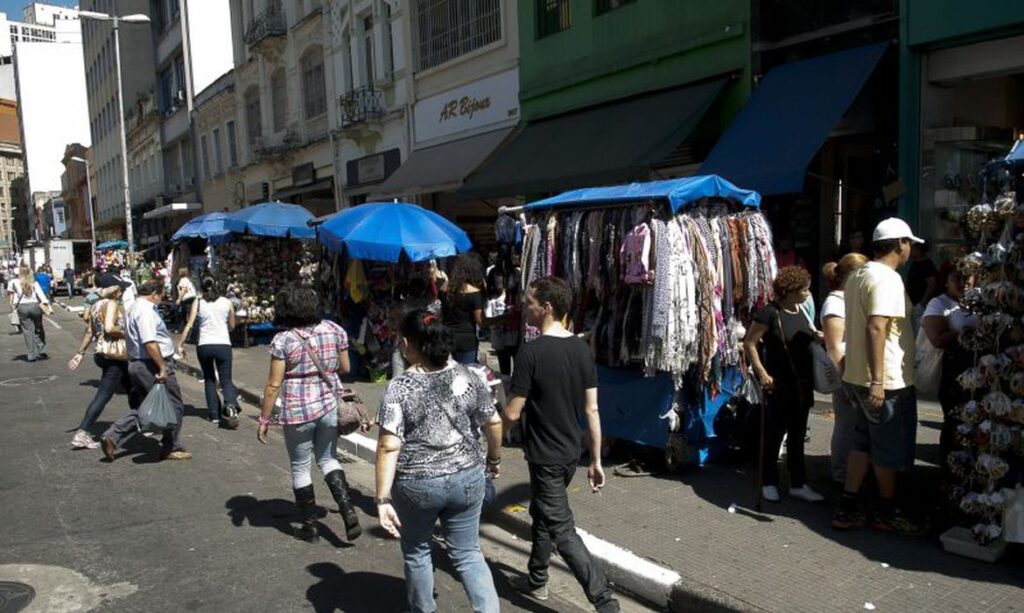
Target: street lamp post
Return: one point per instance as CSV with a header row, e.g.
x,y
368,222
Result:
x,y
92,217
115,21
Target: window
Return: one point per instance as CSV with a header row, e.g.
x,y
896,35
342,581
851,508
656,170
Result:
x,y
253,131
553,16
218,163
205,152
313,91
232,146
164,93
603,6
179,83
368,56
279,99
447,29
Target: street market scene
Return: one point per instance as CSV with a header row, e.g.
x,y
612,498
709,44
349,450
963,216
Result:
x,y
495,305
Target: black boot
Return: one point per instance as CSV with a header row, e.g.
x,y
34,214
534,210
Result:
x,y
339,489
305,500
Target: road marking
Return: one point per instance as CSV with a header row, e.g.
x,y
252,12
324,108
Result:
x,y
19,381
55,324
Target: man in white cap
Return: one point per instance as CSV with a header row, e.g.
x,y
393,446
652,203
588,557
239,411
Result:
x,y
879,379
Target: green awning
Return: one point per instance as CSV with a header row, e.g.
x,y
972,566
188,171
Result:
x,y
612,143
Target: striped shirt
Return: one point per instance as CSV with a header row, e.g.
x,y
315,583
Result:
x,y
305,396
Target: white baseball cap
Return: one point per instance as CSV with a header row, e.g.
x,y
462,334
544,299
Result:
x,y
894,227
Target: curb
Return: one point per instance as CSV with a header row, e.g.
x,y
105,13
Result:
x,y
655,585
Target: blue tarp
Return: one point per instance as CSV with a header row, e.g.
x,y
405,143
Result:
x,y
112,245
382,231
776,135
272,219
210,226
1016,152
678,192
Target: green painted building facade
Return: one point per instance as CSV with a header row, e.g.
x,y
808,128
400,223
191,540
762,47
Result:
x,y
961,103
584,52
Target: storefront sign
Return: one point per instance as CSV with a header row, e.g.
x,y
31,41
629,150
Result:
x,y
304,174
372,168
493,100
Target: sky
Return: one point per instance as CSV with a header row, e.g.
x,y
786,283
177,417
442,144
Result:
x,y
13,8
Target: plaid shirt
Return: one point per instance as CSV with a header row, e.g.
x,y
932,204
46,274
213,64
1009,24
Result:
x,y
304,396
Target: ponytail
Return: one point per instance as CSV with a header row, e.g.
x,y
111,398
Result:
x,y
424,330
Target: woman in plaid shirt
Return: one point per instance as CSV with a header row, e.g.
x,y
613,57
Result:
x,y
308,407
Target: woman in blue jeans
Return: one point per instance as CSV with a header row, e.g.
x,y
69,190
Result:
x,y
105,328
216,316
303,359
430,459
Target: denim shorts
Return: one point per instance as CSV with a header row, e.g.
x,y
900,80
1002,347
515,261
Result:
x,y
888,435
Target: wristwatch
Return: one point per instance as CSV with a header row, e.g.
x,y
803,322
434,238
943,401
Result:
x,y
384,500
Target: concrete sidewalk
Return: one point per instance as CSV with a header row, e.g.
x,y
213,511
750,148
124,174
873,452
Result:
x,y
673,541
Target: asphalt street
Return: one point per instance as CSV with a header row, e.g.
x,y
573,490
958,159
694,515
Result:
x,y
209,534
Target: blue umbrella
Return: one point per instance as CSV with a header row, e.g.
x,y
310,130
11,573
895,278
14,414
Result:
x,y
382,231
210,226
112,245
272,219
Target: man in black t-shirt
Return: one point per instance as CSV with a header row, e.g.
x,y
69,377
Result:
x,y
555,381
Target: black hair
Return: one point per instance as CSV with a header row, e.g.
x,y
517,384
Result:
x,y
150,288
885,247
553,291
466,271
424,330
296,306
495,282
210,289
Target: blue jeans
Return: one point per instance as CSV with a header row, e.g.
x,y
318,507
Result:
x,y
215,360
467,357
316,438
456,499
114,375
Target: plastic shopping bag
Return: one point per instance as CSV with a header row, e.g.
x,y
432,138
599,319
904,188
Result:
x,y
928,362
157,411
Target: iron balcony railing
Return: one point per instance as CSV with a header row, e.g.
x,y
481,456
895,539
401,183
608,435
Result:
x,y
270,22
361,105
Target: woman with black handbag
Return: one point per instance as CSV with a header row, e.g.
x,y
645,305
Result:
x,y
786,374
305,363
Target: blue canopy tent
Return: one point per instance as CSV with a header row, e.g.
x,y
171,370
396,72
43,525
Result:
x,y
632,404
210,226
383,231
112,246
276,219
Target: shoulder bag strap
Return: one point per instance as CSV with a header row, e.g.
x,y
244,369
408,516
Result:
x,y
785,345
338,391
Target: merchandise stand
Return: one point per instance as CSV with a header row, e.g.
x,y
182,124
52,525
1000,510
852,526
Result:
x,y
665,276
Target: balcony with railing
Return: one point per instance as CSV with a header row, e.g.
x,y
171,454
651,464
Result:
x,y
361,105
269,24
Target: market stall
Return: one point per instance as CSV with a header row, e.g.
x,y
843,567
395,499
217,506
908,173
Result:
x,y
666,275
988,462
111,253
370,253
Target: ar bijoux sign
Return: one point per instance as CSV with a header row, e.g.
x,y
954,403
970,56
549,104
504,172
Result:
x,y
479,104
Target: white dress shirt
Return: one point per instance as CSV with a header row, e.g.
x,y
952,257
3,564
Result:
x,y
144,325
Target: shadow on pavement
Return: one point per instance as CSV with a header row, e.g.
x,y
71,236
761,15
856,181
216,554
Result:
x,y
279,514
358,592
733,482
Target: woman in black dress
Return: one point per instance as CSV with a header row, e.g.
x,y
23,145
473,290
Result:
x,y
463,307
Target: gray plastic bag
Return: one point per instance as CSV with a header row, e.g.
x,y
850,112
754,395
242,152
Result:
x,y
157,411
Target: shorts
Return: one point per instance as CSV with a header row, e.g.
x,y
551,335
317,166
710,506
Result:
x,y
889,436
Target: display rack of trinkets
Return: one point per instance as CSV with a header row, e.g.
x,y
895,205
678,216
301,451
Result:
x,y
987,463
253,268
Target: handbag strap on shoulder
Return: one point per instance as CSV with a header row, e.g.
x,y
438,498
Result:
x,y
308,347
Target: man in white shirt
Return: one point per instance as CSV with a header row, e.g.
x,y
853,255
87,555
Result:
x,y
150,353
879,379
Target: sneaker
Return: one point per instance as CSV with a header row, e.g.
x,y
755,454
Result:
x,y
109,448
806,493
522,585
82,440
770,493
178,454
897,524
848,520
230,417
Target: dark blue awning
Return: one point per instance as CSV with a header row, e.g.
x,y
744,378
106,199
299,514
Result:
x,y
775,136
678,193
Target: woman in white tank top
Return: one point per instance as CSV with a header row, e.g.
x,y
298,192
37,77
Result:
x,y
216,316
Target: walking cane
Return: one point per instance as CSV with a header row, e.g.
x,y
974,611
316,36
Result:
x,y
760,455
